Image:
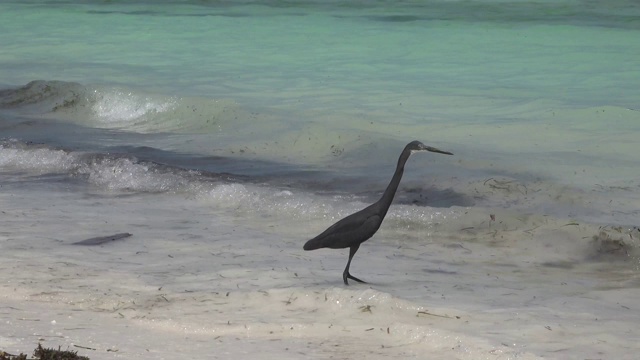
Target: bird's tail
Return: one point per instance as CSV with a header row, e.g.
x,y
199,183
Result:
x,y
313,244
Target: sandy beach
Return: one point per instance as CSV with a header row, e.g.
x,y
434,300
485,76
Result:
x,y
223,136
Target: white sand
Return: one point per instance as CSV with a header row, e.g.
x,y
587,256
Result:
x,y
195,281
540,114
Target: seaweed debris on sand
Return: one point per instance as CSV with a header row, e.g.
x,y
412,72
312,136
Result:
x,y
41,353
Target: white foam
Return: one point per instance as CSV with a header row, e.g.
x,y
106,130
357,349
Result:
x,y
38,160
129,174
118,108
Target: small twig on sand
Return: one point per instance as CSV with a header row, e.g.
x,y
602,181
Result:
x,y
442,316
99,240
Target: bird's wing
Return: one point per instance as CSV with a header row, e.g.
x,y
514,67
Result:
x,y
352,230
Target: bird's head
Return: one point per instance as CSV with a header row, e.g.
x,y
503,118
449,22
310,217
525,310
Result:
x,y
418,146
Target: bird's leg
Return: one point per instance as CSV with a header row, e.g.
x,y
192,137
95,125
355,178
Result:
x,y
345,274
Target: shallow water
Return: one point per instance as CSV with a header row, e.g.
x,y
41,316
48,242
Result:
x,y
223,136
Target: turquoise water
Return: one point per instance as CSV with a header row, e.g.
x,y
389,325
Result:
x,y
329,85
245,128
516,50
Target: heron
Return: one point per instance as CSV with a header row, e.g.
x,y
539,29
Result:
x,y
359,227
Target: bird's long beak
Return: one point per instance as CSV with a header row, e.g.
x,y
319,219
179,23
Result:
x,y
432,149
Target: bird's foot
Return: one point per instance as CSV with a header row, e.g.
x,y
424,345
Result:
x,y
349,276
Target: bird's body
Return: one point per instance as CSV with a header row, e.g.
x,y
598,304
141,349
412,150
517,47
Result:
x,y
344,233
359,227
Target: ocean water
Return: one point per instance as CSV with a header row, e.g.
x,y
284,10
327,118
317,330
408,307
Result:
x,y
223,135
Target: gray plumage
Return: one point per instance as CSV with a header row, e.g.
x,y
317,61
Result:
x,y
358,227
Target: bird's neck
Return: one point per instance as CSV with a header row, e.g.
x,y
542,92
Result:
x,y
390,192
